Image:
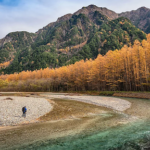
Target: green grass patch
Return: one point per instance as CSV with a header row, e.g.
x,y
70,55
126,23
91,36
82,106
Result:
x,y
106,93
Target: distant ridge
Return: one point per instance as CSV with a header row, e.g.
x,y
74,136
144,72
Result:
x,y
140,18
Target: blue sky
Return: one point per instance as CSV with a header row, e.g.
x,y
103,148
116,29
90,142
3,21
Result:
x,y
31,15
9,3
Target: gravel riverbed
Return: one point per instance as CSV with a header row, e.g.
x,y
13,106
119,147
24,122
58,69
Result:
x,y
109,102
11,106
11,109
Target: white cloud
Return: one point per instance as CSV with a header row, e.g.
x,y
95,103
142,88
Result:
x,y
31,15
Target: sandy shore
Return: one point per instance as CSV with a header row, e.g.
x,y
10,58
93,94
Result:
x,y
11,109
109,102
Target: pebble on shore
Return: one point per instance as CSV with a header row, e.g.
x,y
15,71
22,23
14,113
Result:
x,y
117,104
11,109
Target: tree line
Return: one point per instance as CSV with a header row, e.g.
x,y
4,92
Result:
x,y
127,69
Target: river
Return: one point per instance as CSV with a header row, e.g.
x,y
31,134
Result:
x,y
110,130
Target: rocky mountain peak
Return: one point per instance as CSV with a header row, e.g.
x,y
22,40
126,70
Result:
x,y
140,18
135,13
143,9
84,10
92,8
64,18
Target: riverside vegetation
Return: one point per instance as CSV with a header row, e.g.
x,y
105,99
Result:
x,y
126,69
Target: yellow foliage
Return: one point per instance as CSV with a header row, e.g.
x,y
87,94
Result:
x,y
5,64
128,67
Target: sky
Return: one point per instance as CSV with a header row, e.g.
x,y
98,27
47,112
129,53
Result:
x,y
32,15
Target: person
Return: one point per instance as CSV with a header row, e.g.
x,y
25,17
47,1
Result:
x,y
24,111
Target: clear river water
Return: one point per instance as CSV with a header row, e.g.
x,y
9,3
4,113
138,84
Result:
x,y
111,130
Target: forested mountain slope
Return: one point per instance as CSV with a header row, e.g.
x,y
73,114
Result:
x,y
84,34
127,69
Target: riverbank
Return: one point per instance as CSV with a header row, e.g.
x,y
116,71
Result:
x,y
11,109
72,122
40,107
129,94
72,119
133,95
108,102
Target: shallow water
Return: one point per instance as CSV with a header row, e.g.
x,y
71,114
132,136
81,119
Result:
x,y
107,131
135,136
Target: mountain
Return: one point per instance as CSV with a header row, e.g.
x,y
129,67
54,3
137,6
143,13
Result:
x,y
140,18
85,34
13,43
111,15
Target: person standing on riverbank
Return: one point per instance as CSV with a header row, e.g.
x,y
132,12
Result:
x,y
24,111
